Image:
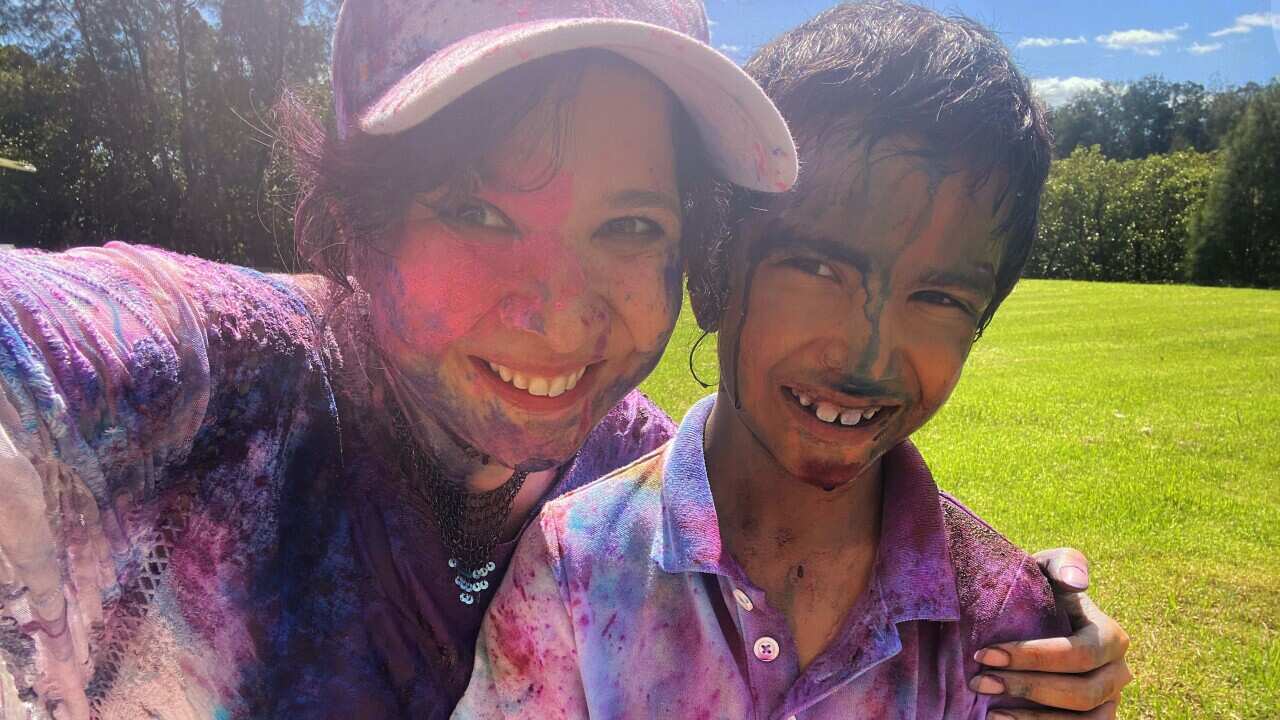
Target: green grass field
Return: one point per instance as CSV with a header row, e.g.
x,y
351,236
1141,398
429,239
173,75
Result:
x,y
1140,424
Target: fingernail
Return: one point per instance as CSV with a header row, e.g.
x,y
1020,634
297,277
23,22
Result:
x,y
992,657
997,715
986,685
1074,576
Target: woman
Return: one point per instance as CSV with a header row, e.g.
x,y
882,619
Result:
x,y
235,495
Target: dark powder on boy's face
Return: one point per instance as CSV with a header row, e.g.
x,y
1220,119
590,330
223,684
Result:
x,y
861,291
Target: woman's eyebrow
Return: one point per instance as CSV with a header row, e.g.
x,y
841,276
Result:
x,y
628,199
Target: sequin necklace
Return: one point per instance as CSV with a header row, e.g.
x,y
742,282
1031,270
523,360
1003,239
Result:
x,y
469,524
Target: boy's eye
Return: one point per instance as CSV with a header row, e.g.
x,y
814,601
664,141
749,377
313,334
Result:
x,y
941,299
478,213
811,266
631,226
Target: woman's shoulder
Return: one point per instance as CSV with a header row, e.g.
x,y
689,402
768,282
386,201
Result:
x,y
631,429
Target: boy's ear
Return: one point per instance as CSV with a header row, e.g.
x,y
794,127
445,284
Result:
x,y
706,313
708,273
708,291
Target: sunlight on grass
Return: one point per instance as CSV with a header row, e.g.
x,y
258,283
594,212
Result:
x,y
1140,424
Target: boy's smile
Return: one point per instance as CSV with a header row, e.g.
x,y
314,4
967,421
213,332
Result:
x,y
862,295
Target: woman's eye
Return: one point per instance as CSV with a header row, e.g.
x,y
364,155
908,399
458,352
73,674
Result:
x,y
635,226
812,267
479,214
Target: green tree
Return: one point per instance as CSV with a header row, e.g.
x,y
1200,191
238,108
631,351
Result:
x,y
1149,117
1119,220
1236,235
149,120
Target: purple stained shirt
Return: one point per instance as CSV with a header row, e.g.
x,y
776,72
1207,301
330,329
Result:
x,y
623,604
234,542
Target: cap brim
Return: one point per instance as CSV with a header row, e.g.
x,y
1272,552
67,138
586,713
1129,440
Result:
x,y
744,133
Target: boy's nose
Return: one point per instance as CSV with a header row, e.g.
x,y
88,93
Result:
x,y
859,346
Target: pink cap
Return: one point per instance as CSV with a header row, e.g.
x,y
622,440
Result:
x,y
398,62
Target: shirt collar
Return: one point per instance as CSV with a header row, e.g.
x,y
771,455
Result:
x,y
690,537
914,576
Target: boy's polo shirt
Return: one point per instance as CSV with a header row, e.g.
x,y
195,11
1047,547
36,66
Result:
x,y
622,603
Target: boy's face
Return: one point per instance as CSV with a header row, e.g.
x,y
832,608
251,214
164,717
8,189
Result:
x,y
862,292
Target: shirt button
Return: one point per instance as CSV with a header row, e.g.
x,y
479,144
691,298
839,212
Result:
x,y
744,602
766,649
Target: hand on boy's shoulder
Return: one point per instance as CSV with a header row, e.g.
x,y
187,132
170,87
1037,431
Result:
x,y
1003,594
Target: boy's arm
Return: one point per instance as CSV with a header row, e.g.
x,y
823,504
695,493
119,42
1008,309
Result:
x,y
527,662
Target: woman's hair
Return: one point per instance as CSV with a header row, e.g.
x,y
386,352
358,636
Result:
x,y
355,191
886,68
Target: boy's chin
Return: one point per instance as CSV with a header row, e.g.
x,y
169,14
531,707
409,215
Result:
x,y
828,474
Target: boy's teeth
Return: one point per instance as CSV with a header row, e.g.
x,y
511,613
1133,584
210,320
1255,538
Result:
x,y
536,385
831,413
827,412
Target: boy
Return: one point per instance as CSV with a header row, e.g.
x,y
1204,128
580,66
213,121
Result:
x,y
788,555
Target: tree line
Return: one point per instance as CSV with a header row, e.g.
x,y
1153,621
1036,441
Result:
x,y
150,121
1159,181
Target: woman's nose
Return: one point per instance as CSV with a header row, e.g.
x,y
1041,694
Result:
x,y
557,301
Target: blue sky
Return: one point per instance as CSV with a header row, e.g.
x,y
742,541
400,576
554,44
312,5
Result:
x,y
1069,46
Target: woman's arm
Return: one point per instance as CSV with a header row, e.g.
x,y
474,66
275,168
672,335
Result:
x,y
1078,677
110,359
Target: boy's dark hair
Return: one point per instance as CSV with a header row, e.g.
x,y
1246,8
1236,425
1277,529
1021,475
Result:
x,y
889,69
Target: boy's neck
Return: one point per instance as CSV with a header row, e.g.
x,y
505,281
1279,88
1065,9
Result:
x,y
758,501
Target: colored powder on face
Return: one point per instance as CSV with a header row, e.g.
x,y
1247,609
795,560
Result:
x,y
442,282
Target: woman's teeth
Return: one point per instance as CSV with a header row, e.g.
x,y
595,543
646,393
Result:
x,y
537,385
830,413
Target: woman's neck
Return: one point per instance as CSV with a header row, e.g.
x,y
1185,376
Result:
x,y
476,471
536,485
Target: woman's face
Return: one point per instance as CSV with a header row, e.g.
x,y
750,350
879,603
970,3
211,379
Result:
x,y
515,315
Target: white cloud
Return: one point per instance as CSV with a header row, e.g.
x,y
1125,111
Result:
x,y
1197,49
730,49
1059,91
1141,41
1044,42
1246,23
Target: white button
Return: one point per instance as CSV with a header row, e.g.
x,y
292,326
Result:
x,y
766,649
744,602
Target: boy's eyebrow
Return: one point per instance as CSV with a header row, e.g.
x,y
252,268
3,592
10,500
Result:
x,y
627,199
978,278
779,235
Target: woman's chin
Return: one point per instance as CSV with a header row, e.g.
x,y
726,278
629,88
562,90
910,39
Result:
x,y
534,457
